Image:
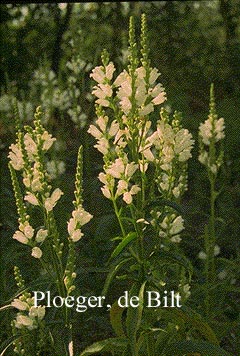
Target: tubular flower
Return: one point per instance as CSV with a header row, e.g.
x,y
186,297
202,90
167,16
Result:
x,y
210,133
16,157
171,227
24,234
29,316
147,94
53,199
80,217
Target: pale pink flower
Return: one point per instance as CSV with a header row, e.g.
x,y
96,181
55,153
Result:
x,y
24,320
127,196
19,304
36,252
98,74
93,130
102,123
53,199
154,74
41,235
16,157
37,312
31,198
121,187
116,169
48,140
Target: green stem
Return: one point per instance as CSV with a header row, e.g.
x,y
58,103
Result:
x,y
118,217
210,241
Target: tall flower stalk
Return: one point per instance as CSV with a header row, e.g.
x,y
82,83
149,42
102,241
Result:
x,y
28,156
144,172
211,134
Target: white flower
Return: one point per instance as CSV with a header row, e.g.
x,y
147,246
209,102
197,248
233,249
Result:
x,y
121,187
146,110
30,146
93,130
24,320
153,76
76,235
102,123
143,166
205,131
183,145
110,69
177,225
81,216
130,169
31,198
219,129
176,239
203,157
102,91
55,168
102,145
48,140
127,196
41,235
19,236
37,312
126,105
222,275
159,99
16,157
113,128
176,192
106,192
28,230
216,250
36,252
116,169
202,255
24,233
19,304
98,74
53,199
27,182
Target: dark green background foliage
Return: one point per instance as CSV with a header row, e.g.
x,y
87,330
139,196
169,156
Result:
x,y
192,43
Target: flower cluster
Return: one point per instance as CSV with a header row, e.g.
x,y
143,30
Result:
x,y
211,131
55,168
27,156
139,159
28,316
79,218
171,227
144,90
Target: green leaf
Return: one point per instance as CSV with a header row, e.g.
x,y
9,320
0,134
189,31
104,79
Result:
x,y
192,319
125,241
112,274
117,344
116,319
181,348
134,316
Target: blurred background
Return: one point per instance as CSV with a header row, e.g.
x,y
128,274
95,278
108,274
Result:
x,y
47,53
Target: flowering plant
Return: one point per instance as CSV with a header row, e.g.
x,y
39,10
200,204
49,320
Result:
x,y
28,156
144,176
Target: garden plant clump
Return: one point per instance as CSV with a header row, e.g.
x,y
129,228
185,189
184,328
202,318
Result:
x,y
145,151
